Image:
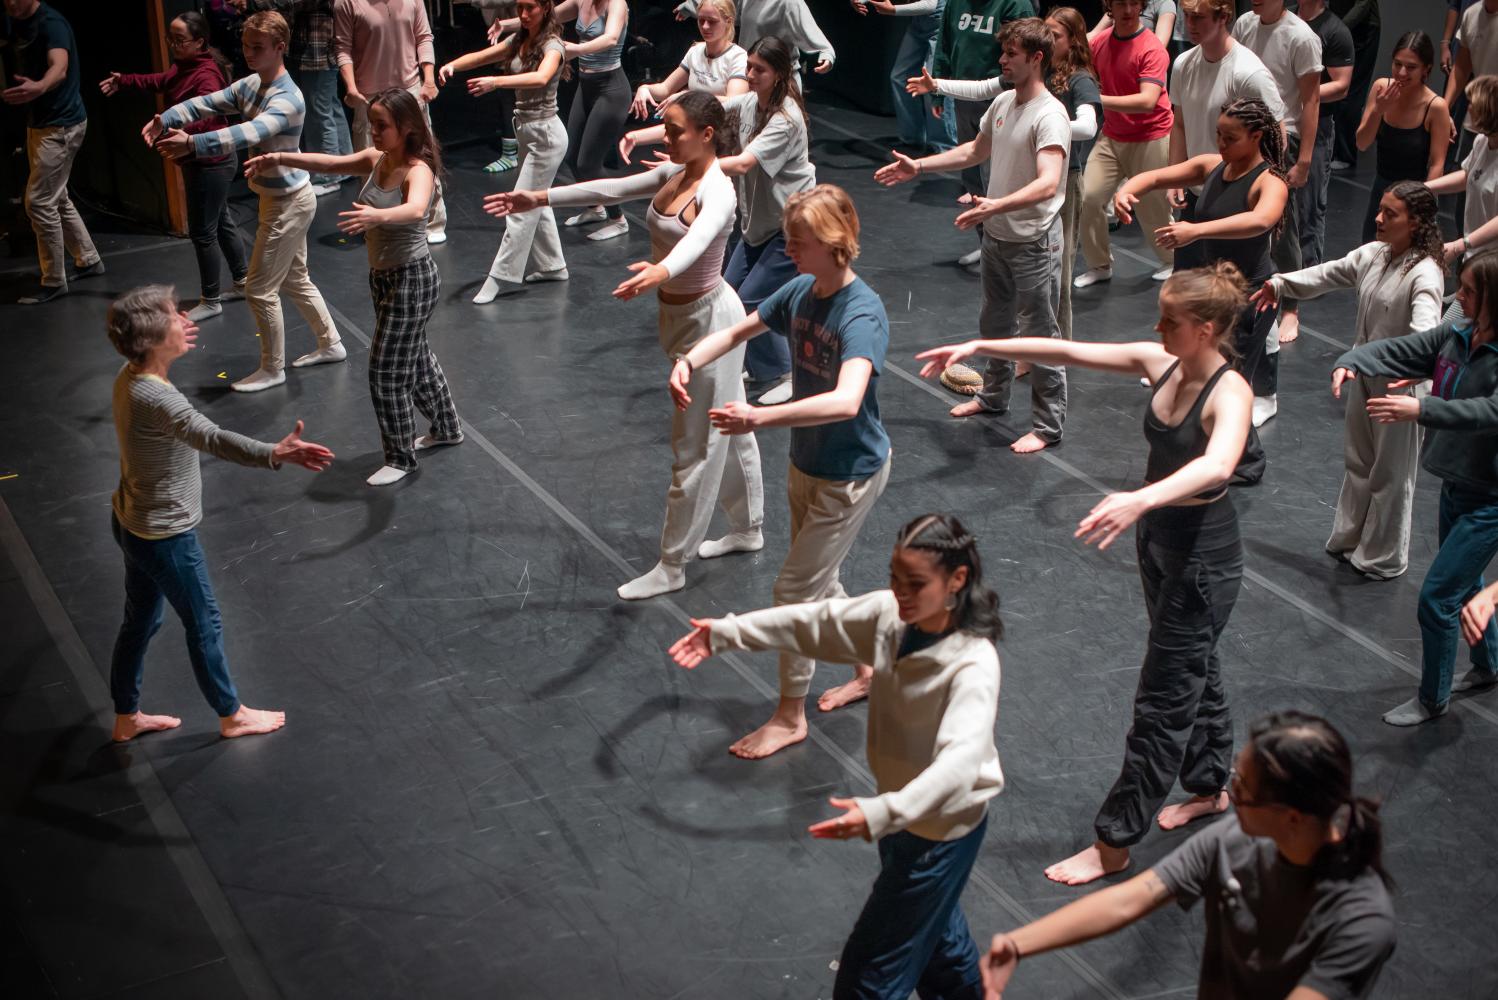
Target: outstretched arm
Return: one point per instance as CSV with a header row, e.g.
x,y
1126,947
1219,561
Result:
x,y
842,403
1141,358
710,349
1093,916
362,162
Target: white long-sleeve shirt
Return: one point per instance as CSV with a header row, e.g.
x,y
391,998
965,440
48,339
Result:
x,y
1393,300
1083,127
716,204
788,20
931,712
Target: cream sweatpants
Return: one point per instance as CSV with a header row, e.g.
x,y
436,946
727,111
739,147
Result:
x,y
825,520
707,465
532,236
278,266
1372,525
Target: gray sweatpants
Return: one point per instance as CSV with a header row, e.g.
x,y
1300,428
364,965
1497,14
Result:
x,y
1021,293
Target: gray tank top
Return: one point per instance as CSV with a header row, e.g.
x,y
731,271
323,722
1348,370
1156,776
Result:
x,y
608,59
392,246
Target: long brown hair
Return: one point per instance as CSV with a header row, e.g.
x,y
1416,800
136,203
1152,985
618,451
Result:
x,y
781,58
1078,58
405,112
530,50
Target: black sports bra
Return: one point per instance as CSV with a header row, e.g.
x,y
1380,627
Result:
x,y
1172,447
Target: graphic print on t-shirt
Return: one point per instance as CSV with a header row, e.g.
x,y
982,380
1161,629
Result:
x,y
819,353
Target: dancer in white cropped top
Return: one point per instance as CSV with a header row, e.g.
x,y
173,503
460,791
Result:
x,y
690,215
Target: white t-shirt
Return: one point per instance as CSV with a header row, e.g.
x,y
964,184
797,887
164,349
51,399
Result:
x,y
711,74
1481,166
1199,88
1478,34
784,167
1290,48
1018,132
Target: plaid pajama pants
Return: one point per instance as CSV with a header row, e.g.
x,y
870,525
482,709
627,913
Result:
x,y
402,368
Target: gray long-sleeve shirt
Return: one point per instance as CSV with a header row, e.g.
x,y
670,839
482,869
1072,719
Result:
x,y
160,434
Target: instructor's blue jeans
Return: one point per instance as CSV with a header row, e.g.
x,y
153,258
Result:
x,y
756,272
916,125
325,127
1468,533
157,572
911,934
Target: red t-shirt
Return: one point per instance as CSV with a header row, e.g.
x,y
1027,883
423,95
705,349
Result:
x,y
1123,66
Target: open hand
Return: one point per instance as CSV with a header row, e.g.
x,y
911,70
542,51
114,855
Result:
x,y
845,827
901,170
25,91
152,130
735,417
939,359
359,218
174,144
1266,298
681,375
647,276
983,208
1176,234
110,85
510,202
308,455
1393,409
1123,206
923,84
1114,514
694,647
478,86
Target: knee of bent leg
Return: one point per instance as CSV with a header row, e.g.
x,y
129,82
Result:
x,y
1438,606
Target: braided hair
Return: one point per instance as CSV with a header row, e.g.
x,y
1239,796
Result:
x,y
1425,228
976,609
1255,116
1303,763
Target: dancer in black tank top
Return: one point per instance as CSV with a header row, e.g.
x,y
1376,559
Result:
x,y
1408,123
1190,557
1240,209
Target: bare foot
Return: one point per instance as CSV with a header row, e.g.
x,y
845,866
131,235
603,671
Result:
x,y
1289,327
785,728
1195,807
846,694
250,722
967,409
128,727
1089,864
1031,442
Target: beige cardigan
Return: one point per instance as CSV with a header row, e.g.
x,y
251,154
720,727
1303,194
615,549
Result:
x,y
931,713
1392,301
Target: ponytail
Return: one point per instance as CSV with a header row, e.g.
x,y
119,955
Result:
x,y
976,607
1304,764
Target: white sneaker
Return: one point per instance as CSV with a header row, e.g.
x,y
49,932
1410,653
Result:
x,y
205,309
618,227
969,259
1164,272
322,356
779,393
259,380
387,474
324,189
587,216
1092,276
436,236
1265,407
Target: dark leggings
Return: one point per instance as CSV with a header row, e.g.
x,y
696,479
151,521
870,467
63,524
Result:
x,y
1190,565
210,222
595,123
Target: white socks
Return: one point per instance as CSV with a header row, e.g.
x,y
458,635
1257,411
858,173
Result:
x,y
322,356
1264,409
205,309
427,441
736,541
615,228
1411,713
387,474
1164,273
1092,276
588,216
779,393
560,274
258,380
971,258
494,288
661,580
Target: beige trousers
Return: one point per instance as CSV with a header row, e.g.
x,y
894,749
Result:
x,y
1108,165
1372,525
825,520
359,133
278,266
58,227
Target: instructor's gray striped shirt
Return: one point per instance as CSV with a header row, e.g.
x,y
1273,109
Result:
x,y
160,434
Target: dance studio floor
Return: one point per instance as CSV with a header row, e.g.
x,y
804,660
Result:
x,y
493,783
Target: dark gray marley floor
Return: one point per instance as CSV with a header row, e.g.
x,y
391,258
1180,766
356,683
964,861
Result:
x,y
493,782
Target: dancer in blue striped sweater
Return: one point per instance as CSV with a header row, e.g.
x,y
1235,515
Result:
x,y
273,110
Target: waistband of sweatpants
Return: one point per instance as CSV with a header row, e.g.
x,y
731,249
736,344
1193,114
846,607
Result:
x,y
1193,526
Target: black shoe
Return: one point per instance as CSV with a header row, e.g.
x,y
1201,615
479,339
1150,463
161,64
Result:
x,y
97,267
43,293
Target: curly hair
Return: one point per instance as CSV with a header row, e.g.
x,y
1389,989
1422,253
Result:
x,y
1425,228
1078,58
976,608
1255,116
